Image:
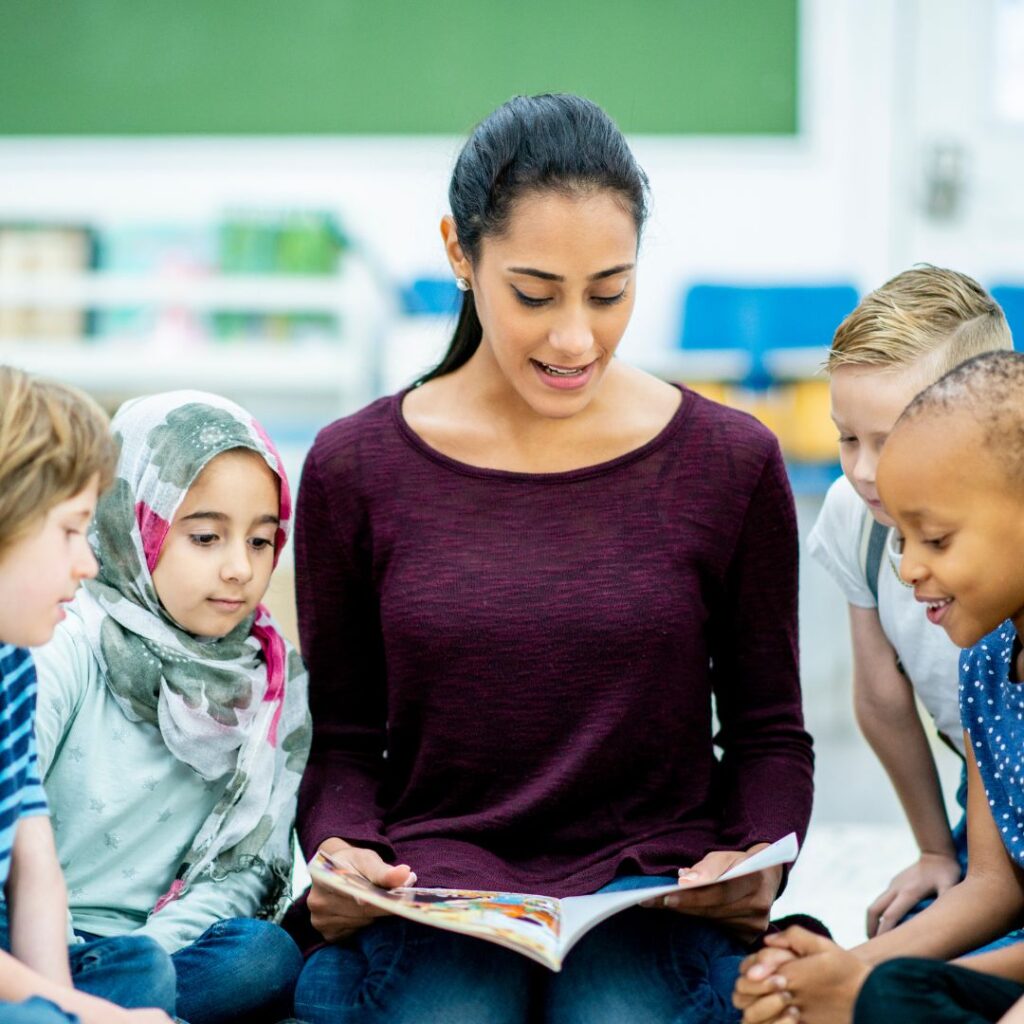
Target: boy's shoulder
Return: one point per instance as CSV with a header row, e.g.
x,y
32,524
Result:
x,y
836,542
17,669
842,501
68,654
842,516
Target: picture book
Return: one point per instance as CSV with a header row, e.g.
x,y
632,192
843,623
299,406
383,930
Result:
x,y
541,927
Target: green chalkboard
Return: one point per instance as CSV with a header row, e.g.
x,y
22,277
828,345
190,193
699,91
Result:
x,y
272,67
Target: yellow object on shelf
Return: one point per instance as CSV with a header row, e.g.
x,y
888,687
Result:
x,y
713,389
762,405
797,413
808,433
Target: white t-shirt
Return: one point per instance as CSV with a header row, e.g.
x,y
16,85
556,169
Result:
x,y
929,657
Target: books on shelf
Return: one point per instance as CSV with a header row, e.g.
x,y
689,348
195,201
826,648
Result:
x,y
43,249
55,279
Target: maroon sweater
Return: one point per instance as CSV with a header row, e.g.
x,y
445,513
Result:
x,y
512,674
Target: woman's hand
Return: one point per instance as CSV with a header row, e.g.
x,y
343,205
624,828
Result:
x,y
742,905
799,975
337,916
931,875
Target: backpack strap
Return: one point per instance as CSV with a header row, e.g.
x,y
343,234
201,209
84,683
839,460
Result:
x,y
872,550
873,539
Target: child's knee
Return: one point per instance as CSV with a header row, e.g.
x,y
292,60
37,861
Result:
x,y
130,970
149,961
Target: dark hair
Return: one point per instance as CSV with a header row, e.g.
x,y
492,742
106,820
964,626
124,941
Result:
x,y
531,144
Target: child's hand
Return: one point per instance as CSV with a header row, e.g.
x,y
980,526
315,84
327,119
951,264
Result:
x,y
818,985
757,973
931,875
335,915
741,905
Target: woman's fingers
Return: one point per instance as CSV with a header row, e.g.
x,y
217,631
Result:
x,y
337,915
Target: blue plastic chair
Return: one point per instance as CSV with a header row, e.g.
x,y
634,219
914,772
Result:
x,y
1011,298
428,296
763,319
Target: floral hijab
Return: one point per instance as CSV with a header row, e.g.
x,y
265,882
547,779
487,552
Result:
x,y
233,707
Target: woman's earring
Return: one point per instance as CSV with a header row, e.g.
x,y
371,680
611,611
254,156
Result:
x,y
462,284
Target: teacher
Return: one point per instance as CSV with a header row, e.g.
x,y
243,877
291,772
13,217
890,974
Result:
x,y
527,587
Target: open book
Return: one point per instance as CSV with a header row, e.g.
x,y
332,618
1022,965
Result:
x,y
540,927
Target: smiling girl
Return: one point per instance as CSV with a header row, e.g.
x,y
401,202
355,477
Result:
x,y
172,722
521,586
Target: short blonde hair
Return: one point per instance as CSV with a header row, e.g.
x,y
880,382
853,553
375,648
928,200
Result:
x,y
928,315
53,441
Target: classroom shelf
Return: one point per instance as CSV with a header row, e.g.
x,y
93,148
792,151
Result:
x,y
295,369
338,373
262,293
725,365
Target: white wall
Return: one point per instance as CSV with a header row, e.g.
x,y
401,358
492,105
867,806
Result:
x,y
814,207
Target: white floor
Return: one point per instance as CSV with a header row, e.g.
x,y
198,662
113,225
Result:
x,y
858,837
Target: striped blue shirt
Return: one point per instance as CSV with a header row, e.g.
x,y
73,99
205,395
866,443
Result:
x,y
21,793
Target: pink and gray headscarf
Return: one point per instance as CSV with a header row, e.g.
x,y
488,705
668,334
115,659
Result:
x,y
234,707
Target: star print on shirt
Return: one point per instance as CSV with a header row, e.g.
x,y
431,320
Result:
x,y
76,753
164,816
99,806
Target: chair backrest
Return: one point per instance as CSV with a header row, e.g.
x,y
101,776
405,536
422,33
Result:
x,y
1011,298
761,318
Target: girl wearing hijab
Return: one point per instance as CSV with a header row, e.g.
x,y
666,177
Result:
x,y
173,725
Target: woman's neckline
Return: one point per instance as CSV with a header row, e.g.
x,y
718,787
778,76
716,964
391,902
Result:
x,y
682,411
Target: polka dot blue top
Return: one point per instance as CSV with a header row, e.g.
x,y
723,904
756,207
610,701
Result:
x,y
992,710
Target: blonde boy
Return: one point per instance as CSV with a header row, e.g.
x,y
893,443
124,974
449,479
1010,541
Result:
x,y
56,455
900,338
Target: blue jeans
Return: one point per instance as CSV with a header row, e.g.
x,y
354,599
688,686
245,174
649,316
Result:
x,y
129,970
35,1011
240,969
642,966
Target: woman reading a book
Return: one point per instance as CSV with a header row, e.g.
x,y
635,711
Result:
x,y
522,583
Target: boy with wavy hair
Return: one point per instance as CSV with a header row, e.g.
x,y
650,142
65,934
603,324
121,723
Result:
x,y
56,456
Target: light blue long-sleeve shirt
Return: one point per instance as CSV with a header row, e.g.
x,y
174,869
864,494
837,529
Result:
x,y
124,810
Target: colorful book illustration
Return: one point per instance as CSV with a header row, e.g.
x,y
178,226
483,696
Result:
x,y
540,927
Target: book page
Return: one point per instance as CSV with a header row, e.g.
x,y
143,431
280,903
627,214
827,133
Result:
x,y
528,924
581,913
541,927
